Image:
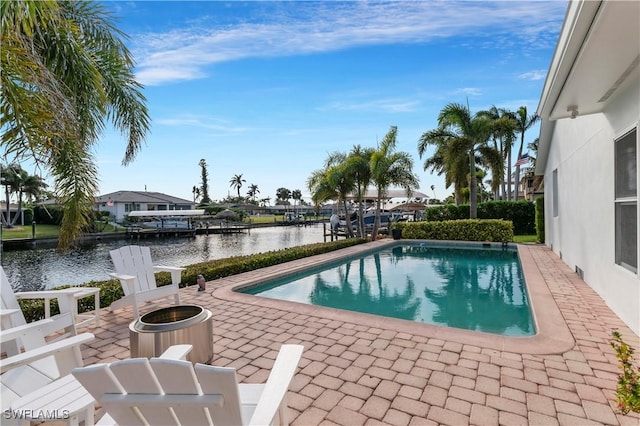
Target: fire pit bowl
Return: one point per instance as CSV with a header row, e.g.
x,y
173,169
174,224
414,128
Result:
x,y
153,333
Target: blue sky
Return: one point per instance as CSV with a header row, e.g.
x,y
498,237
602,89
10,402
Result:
x,y
268,89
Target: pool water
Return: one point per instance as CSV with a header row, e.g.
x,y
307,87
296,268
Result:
x,y
481,289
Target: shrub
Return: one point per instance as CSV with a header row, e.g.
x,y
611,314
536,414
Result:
x,y
540,219
461,230
111,290
520,213
628,389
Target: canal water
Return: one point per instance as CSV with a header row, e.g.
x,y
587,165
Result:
x,y
44,268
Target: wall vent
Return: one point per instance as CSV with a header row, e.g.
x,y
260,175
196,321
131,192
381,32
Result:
x,y
580,272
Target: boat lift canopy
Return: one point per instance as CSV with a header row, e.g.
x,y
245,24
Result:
x,y
166,213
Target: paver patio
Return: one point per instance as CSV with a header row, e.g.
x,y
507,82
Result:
x,y
359,369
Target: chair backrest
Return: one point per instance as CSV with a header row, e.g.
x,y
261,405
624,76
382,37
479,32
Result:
x,y
141,391
9,301
135,261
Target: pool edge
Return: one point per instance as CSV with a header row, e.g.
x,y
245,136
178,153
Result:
x,y
553,335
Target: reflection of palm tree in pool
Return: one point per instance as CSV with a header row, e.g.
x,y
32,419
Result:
x,y
403,305
464,303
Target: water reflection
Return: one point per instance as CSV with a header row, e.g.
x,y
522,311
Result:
x,y
477,294
45,268
357,294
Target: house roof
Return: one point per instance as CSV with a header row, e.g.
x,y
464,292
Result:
x,y
141,197
391,193
596,58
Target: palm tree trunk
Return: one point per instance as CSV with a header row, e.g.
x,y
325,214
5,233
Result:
x,y
376,222
517,179
347,219
473,187
502,184
509,178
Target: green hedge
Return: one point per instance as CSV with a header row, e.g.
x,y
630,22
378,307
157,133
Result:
x,y
521,213
111,290
493,230
540,219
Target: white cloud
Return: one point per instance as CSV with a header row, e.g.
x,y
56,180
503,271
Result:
x,y
533,75
312,27
210,123
386,105
470,91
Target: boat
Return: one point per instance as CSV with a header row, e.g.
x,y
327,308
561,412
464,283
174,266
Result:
x,y
386,216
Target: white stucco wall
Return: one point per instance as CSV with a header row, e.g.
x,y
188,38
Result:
x,y
583,234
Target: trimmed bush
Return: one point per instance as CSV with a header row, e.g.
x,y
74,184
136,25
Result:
x,y
520,213
540,219
459,230
111,290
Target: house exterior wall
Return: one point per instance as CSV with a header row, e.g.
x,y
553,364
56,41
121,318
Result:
x,y
583,233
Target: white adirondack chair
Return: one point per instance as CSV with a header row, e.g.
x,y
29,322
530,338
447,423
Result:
x,y
40,364
136,272
11,316
163,391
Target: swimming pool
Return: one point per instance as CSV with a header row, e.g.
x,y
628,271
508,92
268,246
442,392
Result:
x,y
463,286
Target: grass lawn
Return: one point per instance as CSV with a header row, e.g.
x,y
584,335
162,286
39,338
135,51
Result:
x,y
43,231
525,238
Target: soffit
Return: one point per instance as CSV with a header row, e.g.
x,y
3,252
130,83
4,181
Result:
x,y
607,61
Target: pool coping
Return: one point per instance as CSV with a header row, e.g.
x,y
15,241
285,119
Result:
x,y
553,335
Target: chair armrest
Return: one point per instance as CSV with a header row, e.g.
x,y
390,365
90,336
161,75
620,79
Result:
x,y
21,330
177,352
32,355
8,312
125,280
277,384
65,298
45,294
176,272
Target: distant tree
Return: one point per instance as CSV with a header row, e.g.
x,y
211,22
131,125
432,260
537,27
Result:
x,y
524,123
204,185
252,192
282,196
296,194
17,181
196,194
236,182
264,202
390,167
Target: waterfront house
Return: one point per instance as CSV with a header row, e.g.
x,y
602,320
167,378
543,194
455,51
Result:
x,y
588,150
121,203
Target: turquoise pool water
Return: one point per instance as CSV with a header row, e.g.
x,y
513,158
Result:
x,y
481,289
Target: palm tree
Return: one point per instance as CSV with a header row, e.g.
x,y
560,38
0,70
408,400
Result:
x,y
296,194
461,137
503,128
9,176
265,201
65,72
253,191
283,195
389,167
204,176
524,123
333,183
236,182
358,163
17,180
196,194
455,169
